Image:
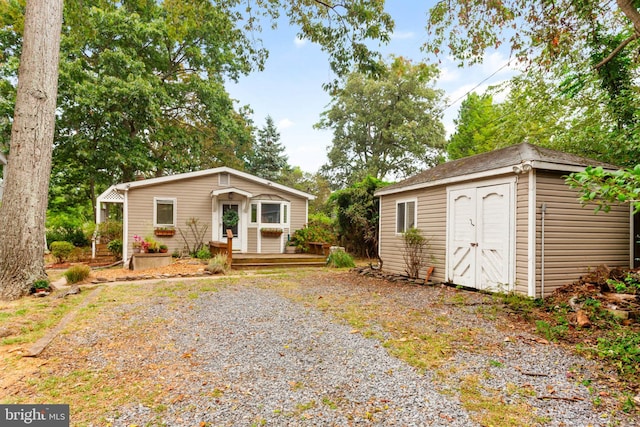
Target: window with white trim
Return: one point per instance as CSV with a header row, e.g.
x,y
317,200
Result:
x,y
164,212
270,213
405,215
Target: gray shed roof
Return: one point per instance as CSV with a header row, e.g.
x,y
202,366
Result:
x,y
500,161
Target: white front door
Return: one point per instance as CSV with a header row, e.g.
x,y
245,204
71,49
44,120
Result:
x,y
480,235
236,229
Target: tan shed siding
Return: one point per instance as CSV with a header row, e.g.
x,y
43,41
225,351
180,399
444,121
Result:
x,y
576,239
522,234
193,197
431,220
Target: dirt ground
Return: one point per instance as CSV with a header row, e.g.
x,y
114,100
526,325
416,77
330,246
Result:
x,y
72,369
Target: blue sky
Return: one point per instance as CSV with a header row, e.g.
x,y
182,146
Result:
x,y
290,87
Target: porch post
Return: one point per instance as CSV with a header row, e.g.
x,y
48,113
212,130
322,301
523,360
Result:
x,y
229,247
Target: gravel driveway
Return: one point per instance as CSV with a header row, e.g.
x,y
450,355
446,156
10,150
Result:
x,y
246,354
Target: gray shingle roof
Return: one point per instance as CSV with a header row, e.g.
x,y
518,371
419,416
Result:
x,y
501,158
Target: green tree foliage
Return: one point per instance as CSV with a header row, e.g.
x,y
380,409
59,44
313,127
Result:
x,y
358,215
386,125
310,183
268,160
141,82
476,127
605,188
142,92
543,33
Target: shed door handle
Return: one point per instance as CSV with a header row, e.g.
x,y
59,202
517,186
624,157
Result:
x,y
474,244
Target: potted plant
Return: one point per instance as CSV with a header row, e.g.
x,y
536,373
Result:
x,y
40,285
163,249
137,244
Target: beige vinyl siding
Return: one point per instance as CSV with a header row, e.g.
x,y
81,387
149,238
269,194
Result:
x,y
272,245
522,234
194,200
431,220
252,239
576,239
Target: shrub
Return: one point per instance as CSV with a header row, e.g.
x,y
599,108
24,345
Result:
x,y
340,259
77,273
68,234
203,253
61,250
415,251
110,230
319,229
115,247
217,264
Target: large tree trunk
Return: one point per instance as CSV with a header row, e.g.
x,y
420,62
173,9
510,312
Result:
x,y
24,205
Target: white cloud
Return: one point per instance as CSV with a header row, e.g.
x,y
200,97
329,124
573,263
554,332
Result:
x,y
448,74
284,124
403,35
299,42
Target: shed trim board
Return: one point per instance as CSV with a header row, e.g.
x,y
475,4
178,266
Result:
x,y
479,257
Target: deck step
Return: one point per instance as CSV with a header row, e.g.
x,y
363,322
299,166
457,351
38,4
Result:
x,y
256,261
278,260
260,265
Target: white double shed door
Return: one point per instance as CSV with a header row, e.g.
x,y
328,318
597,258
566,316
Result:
x,y
481,235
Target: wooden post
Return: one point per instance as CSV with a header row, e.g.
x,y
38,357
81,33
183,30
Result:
x,y
229,247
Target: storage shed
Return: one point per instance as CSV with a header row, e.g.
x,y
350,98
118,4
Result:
x,y
504,221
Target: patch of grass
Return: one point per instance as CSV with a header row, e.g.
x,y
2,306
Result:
x,y
488,409
329,403
550,332
496,364
621,349
340,259
31,317
301,407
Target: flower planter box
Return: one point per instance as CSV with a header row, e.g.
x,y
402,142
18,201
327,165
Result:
x,y
164,233
271,233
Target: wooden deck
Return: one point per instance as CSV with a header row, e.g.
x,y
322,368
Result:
x,y
256,261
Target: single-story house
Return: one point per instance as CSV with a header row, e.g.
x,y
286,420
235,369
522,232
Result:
x,y
163,206
505,221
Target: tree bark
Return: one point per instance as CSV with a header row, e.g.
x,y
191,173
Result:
x,y
24,205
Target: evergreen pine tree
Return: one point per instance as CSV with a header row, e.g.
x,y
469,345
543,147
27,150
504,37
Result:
x,y
269,160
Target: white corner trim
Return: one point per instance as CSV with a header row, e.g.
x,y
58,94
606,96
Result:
x,y
531,234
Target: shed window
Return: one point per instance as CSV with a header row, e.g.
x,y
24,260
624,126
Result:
x,y
405,216
164,212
